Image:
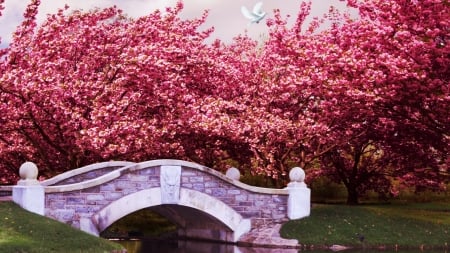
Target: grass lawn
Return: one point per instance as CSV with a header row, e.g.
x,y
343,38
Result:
x,y
22,231
404,225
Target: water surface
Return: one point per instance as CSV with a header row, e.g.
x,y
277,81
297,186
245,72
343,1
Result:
x,y
183,246
189,246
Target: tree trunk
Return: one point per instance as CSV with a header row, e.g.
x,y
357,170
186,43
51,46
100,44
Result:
x,y
352,195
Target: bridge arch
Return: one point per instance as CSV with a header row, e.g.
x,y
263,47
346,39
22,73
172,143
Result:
x,y
147,198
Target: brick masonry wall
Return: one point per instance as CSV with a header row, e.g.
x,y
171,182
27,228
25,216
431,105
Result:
x,y
261,208
69,207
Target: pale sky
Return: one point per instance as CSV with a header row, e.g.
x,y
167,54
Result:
x,y
225,15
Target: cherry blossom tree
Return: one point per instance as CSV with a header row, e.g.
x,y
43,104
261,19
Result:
x,y
364,101
391,81
268,103
95,86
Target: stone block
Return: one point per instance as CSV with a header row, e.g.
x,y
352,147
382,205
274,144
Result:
x,y
150,171
95,197
101,202
272,206
128,191
124,184
55,204
113,195
251,197
142,185
53,197
196,179
187,185
93,189
227,199
219,192
211,184
64,214
238,209
260,203
241,197
198,187
266,215
278,216
234,192
245,203
70,194
107,187
75,201
154,182
250,214
279,199
188,173
84,209
139,178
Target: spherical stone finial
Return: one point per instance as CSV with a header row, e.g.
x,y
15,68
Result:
x,y
28,171
297,174
233,173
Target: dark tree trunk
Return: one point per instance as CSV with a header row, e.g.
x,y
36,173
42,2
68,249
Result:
x,y
352,196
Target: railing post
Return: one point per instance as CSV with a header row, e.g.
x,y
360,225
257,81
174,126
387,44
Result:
x,y
29,193
299,201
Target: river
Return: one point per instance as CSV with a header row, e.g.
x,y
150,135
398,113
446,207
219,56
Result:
x,y
187,246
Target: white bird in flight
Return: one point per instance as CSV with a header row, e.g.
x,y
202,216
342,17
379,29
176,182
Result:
x,y
256,15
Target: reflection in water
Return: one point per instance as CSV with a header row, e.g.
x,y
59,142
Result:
x,y
156,246
160,246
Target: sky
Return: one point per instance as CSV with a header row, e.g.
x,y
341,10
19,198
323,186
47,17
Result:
x,y
225,15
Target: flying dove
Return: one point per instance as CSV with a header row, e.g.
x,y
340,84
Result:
x,y
256,15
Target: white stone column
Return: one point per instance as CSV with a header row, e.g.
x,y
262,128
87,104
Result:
x,y
299,201
29,193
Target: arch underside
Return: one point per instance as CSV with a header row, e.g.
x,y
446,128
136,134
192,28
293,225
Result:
x,y
196,214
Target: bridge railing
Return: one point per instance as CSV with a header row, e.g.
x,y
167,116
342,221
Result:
x,y
5,190
81,174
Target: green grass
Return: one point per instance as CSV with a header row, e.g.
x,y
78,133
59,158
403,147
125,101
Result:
x,y
404,225
25,232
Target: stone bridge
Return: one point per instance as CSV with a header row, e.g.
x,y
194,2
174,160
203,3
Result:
x,y
202,202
